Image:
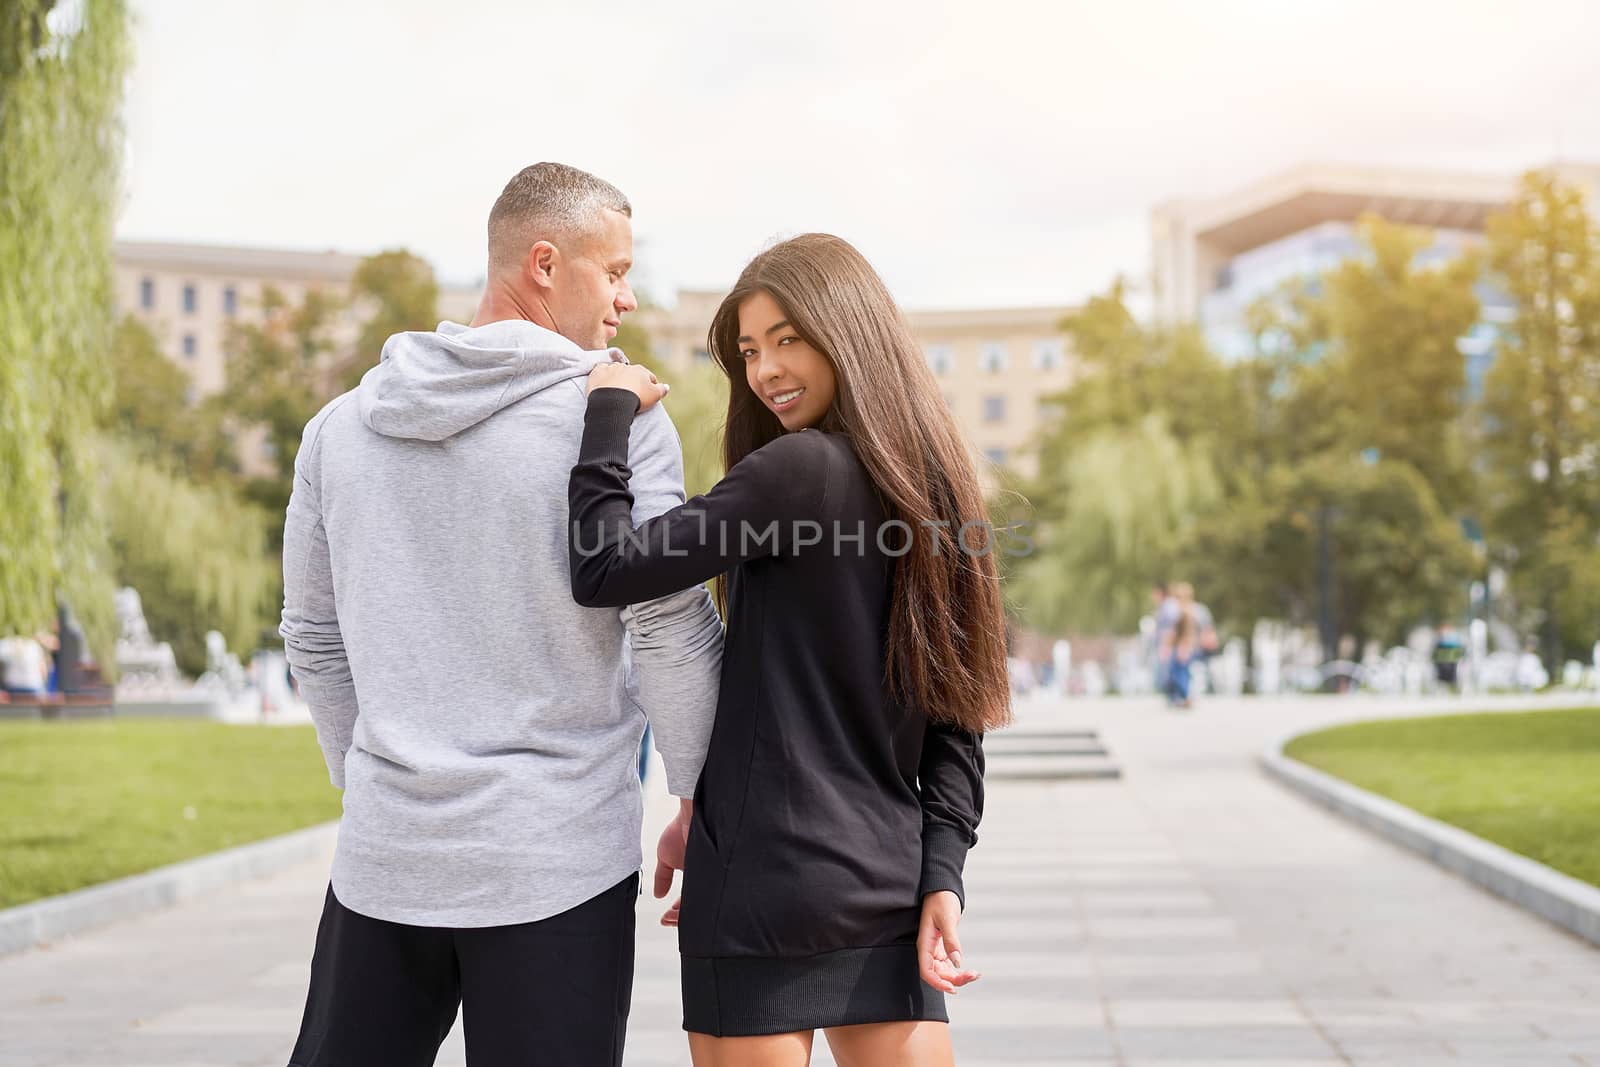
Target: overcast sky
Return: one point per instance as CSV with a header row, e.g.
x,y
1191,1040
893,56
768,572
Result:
x,y
989,153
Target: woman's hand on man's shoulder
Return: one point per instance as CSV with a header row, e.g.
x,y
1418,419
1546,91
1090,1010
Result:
x,y
632,377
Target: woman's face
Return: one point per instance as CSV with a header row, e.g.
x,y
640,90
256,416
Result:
x,y
791,378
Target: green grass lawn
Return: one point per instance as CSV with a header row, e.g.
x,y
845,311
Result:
x,y
86,802
1528,781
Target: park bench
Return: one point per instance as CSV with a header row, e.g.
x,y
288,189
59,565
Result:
x,y
91,704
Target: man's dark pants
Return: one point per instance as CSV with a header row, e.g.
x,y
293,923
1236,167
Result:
x,y
553,992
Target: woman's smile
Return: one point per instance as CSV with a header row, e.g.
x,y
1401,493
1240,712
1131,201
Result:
x,y
782,402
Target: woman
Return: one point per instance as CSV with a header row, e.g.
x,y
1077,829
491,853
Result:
x,y
864,658
1180,646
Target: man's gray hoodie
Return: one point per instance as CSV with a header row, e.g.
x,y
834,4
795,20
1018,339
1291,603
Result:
x,y
484,728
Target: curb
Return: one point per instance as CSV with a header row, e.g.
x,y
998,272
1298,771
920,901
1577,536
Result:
x,y
44,921
1570,904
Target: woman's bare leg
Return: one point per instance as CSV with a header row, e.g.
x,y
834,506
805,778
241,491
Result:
x,y
775,1050
913,1044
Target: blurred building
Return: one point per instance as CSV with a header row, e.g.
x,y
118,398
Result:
x,y
1213,257
189,294
997,367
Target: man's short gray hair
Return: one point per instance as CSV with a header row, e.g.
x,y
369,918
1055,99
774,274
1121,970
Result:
x,y
548,202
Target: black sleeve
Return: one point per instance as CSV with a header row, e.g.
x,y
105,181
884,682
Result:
x,y
770,503
950,779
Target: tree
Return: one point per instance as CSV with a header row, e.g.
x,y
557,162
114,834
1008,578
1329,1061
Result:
x,y
275,371
1345,433
400,293
151,410
1304,484
1364,547
1116,517
1373,346
180,533
1540,416
1124,472
1129,370
60,86
198,555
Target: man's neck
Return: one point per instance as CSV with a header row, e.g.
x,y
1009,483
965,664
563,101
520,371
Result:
x,y
502,301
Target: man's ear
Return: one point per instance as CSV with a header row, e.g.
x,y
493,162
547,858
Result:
x,y
540,264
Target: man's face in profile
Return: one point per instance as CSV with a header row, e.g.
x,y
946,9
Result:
x,y
591,291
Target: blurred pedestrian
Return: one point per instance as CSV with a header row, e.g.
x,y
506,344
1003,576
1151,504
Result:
x,y
1448,651
1164,615
69,651
1181,646
24,666
1205,625
1061,665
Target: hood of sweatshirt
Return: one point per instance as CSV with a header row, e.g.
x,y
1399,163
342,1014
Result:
x,y
431,385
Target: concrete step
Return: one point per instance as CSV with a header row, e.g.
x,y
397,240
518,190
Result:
x,y
1051,768
1042,735
1048,755
1019,747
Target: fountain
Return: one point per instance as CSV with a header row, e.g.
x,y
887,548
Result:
x,y
149,683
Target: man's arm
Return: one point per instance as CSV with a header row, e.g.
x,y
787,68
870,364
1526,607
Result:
x,y
676,640
310,629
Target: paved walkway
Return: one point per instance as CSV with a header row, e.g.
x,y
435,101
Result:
x,y
1192,913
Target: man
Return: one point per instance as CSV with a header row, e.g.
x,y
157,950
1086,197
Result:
x,y
1205,625
1164,616
478,720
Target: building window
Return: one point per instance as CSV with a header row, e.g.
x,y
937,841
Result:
x,y
189,300
230,301
992,357
941,359
994,409
189,345
1049,354
702,355
997,456
147,293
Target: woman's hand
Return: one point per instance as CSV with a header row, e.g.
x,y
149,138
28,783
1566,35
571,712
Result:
x,y
938,946
632,377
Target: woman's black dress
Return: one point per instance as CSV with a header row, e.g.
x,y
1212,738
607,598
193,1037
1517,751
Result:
x,y
826,809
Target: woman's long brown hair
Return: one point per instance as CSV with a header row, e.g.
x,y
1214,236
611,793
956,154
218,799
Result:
x,y
947,645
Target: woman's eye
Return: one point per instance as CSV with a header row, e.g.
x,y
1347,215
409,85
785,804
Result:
x,y
746,353
786,340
